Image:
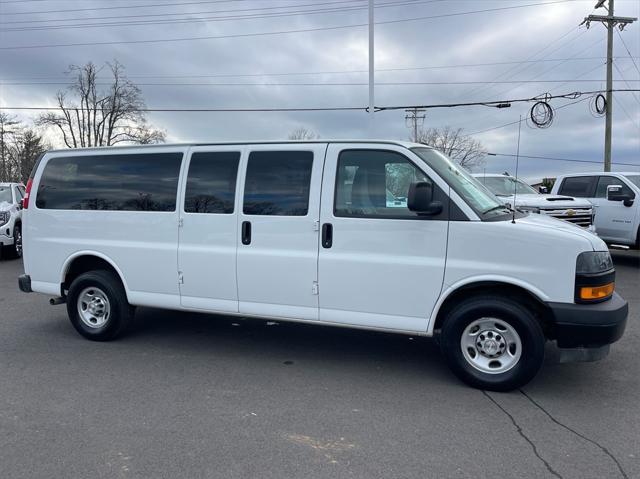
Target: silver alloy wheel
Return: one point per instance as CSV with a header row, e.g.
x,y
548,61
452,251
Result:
x,y
491,345
18,242
94,307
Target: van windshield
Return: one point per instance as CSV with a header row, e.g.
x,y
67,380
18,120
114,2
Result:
x,y
470,189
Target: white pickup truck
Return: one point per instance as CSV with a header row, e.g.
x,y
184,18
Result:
x,y
511,190
615,198
11,195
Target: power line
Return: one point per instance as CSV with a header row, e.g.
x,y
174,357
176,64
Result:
x,y
217,18
147,15
70,10
544,72
615,64
511,72
627,49
333,72
326,84
494,104
633,122
517,121
281,32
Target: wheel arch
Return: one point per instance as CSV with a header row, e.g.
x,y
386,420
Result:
x,y
508,287
83,261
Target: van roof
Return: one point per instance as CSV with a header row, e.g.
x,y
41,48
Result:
x,y
405,144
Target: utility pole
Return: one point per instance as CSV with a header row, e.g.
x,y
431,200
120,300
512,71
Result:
x,y
610,22
413,117
371,70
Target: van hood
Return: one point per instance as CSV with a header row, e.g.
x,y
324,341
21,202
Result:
x,y
5,206
549,201
544,221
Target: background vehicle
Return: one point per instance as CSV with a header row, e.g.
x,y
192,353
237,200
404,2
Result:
x,y
305,231
617,217
577,211
11,195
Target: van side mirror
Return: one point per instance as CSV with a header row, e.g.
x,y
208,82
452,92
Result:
x,y
543,189
615,193
420,199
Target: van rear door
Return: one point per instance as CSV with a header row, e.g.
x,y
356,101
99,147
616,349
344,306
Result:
x,y
278,230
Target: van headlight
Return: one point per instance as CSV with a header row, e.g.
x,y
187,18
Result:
x,y
595,277
592,262
4,217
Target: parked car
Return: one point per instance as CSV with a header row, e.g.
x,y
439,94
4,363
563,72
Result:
x,y
304,231
615,197
511,190
11,195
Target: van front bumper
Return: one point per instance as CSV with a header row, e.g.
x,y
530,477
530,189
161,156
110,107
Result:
x,y
589,325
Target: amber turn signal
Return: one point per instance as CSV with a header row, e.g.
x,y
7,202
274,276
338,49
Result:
x,y
591,293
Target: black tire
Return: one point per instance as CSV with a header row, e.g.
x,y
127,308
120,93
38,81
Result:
x,y
120,314
519,317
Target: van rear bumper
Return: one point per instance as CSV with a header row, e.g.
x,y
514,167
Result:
x,y
589,325
24,283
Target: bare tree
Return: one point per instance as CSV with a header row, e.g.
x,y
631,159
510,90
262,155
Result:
x,y
9,128
91,116
463,149
302,133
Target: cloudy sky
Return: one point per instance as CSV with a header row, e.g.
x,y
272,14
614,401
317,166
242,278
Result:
x,y
427,52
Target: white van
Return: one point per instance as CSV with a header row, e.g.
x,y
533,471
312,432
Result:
x,y
306,231
615,196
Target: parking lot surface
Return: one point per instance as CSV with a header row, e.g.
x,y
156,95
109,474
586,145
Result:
x,y
198,396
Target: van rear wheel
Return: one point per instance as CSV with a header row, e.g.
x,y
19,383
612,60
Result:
x,y
493,343
97,306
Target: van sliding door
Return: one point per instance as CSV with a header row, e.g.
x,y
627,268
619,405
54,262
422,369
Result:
x,y
278,231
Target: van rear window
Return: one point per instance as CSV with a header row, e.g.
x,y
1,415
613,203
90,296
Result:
x,y
136,182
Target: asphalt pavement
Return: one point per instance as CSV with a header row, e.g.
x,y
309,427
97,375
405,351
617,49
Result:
x,y
198,396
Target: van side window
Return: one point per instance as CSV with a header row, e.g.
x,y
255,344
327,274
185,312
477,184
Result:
x,y
374,183
578,186
128,182
278,183
604,181
211,182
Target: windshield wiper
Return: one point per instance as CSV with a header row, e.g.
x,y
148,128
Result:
x,y
499,207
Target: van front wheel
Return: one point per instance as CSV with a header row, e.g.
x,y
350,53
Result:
x,y
97,306
493,343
